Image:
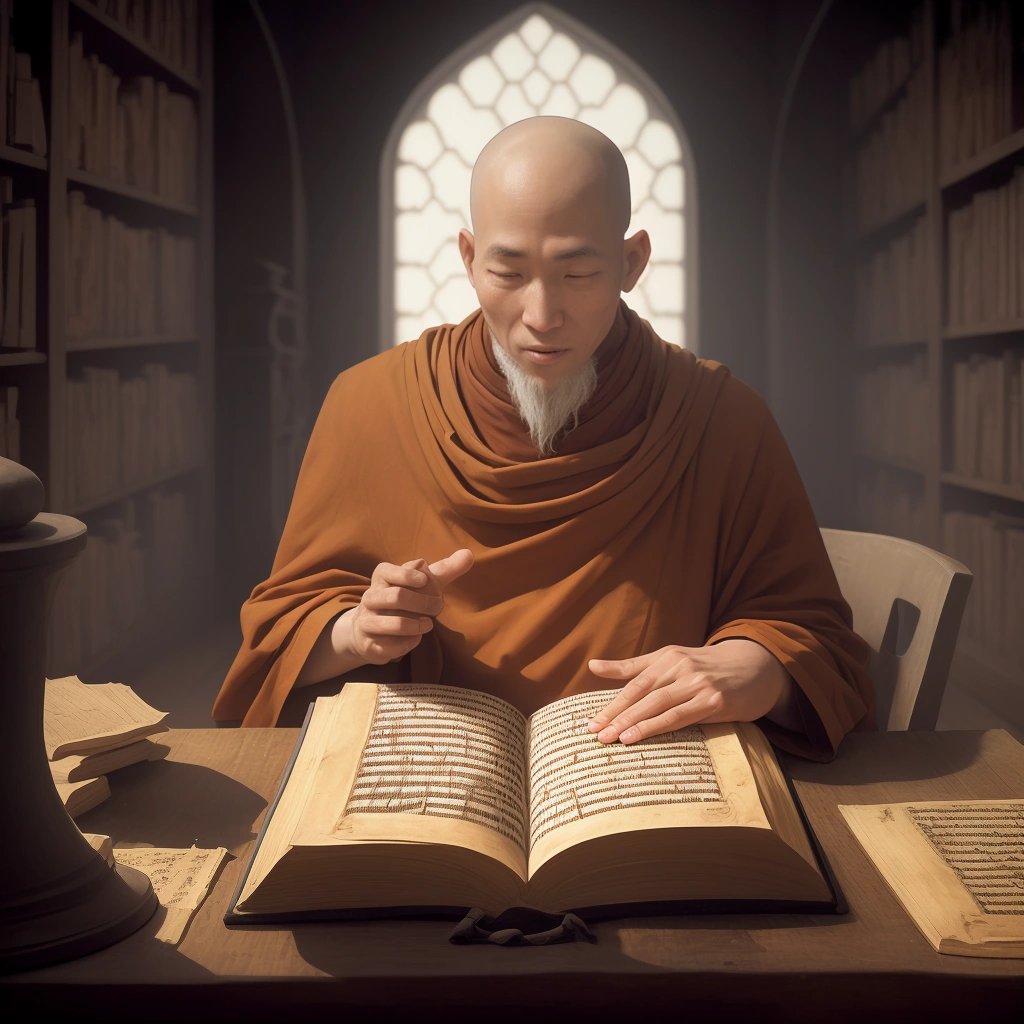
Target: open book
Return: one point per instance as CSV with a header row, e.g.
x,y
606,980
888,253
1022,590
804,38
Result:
x,y
418,799
957,867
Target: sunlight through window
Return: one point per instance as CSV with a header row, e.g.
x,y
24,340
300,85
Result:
x,y
539,62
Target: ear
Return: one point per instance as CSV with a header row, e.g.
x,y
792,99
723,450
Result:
x,y
636,253
467,249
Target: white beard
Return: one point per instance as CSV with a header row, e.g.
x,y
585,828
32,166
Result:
x,y
547,412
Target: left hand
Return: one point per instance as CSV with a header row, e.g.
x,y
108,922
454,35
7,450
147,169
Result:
x,y
735,680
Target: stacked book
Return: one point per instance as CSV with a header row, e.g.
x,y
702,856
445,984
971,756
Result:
x,y
92,729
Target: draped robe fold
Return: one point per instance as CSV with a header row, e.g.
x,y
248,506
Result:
x,y
672,514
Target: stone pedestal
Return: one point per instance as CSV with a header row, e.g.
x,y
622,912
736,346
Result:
x,y
59,899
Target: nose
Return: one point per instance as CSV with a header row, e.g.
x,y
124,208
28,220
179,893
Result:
x,y
542,310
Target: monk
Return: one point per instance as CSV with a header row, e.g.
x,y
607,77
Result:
x,y
547,498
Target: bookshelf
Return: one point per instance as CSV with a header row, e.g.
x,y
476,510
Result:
x,y
106,363
935,222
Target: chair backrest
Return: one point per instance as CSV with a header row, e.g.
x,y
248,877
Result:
x,y
907,602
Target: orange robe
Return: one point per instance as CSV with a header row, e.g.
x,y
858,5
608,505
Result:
x,y
673,514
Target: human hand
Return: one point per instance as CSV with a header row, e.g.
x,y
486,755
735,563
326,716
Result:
x,y
399,606
735,680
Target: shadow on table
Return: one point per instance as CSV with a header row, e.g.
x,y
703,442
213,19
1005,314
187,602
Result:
x,y
177,805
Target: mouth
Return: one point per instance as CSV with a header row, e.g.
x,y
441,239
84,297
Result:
x,y
544,355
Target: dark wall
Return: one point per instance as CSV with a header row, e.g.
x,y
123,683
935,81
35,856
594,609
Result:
x,y
352,66
811,356
809,369
252,223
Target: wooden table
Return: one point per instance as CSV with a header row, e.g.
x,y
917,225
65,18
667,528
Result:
x,y
869,965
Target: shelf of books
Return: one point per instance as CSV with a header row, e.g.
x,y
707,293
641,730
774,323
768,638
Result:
x,y
937,225
106,360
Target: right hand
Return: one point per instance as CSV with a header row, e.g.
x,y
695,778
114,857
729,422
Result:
x,y
400,604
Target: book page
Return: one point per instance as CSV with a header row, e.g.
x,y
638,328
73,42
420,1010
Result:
x,y
774,791
581,788
398,796
575,775
441,752
315,784
180,878
956,867
82,717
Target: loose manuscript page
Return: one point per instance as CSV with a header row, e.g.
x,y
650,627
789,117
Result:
x,y
180,878
983,843
103,845
76,767
957,867
84,795
581,787
80,718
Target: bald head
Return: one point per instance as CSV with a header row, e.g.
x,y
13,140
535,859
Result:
x,y
549,163
546,257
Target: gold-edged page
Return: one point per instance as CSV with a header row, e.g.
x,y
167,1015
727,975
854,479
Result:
x,y
955,866
581,788
441,765
333,720
776,798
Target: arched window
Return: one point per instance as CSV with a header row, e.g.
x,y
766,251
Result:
x,y
535,61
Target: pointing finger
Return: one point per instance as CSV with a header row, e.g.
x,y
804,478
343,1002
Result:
x,y
449,569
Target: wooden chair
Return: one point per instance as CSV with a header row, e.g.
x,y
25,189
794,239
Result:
x,y
907,602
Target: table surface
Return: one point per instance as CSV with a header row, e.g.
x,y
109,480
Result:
x,y
213,790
